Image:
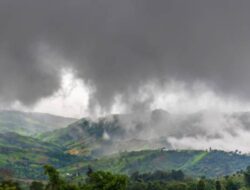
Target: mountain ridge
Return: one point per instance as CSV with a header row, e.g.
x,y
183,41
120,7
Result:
x,y
31,123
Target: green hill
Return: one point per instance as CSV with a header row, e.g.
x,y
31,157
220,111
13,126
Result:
x,y
193,162
101,137
133,132
84,136
98,143
31,123
24,156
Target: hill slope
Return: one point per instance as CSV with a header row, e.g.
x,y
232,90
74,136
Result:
x,y
91,141
107,135
25,156
193,162
151,130
31,123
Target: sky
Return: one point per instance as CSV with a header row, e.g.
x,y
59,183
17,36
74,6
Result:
x,y
124,55
92,58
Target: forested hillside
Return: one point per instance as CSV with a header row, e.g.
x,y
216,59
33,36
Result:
x,y
195,163
102,180
23,157
31,123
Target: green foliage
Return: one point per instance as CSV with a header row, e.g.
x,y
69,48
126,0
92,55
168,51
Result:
x,y
5,187
24,156
218,185
55,183
177,186
106,181
96,181
9,185
154,186
247,176
201,185
137,186
36,185
101,180
158,176
194,163
232,185
85,136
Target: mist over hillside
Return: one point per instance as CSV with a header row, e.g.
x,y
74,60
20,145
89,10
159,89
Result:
x,y
31,123
135,131
156,129
131,142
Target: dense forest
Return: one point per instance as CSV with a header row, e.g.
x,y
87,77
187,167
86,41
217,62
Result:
x,y
102,180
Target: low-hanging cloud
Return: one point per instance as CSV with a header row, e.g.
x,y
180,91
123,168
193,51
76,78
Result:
x,y
120,45
200,130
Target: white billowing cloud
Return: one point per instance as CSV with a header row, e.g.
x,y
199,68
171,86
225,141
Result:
x,y
71,100
229,142
212,124
177,97
216,130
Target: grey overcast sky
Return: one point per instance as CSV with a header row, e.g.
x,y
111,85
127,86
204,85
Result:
x,y
124,54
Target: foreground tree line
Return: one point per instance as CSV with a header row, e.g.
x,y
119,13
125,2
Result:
x,y
158,180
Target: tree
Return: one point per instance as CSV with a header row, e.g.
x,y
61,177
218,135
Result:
x,y
7,188
177,186
247,176
217,185
201,185
177,175
9,185
55,183
89,171
36,185
106,181
137,186
154,186
231,185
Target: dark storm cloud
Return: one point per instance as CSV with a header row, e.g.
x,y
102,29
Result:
x,y
121,44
